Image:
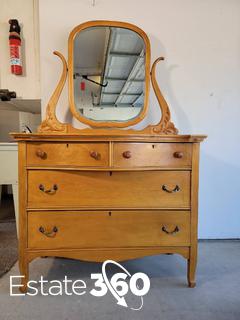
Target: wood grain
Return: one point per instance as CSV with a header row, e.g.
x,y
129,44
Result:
x,y
22,189
106,135
97,229
116,189
116,254
152,154
165,125
51,123
68,154
192,261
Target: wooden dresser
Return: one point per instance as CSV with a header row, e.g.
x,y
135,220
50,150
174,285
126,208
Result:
x,y
97,194
108,197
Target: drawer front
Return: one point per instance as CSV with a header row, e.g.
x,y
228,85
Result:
x,y
52,230
166,155
139,189
67,154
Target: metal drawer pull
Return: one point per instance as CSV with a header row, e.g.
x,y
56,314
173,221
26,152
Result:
x,y
49,191
50,234
176,189
170,232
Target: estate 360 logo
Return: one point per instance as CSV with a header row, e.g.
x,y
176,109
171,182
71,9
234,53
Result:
x,y
119,285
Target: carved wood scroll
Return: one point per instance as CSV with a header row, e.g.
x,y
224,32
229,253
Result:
x,y
165,125
51,122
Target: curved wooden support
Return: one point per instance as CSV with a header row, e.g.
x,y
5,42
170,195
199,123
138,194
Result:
x,y
51,123
165,125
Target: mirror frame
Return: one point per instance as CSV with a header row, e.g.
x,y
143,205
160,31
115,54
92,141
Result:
x,y
118,24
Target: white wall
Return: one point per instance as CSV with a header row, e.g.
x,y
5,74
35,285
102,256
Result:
x,y
200,79
27,86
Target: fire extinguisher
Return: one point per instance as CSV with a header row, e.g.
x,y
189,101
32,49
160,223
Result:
x,y
15,47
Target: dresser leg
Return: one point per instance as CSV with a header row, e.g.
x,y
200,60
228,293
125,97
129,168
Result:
x,y
192,263
24,271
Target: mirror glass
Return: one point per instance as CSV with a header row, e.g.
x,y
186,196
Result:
x,y
109,73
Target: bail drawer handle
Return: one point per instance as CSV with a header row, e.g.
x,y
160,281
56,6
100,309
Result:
x,y
164,229
49,191
48,234
176,189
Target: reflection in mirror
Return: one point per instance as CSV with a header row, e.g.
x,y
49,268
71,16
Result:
x,y
109,73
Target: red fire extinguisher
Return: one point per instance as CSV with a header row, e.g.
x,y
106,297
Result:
x,y
15,47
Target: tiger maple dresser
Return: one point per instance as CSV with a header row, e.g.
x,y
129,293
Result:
x,y
105,193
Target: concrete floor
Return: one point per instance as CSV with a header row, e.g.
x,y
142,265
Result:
x,y
217,295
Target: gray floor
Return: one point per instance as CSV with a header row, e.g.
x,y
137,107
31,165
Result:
x,y
217,295
8,246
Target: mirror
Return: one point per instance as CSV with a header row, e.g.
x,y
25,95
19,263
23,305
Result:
x,y
108,77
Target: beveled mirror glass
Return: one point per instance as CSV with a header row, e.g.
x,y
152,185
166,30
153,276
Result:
x,y
108,73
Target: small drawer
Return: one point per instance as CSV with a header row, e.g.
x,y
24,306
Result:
x,y
68,154
99,229
101,189
165,155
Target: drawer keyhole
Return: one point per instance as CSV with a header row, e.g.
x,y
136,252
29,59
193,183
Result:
x,y
110,213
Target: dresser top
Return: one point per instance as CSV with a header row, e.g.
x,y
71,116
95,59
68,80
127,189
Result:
x,y
106,137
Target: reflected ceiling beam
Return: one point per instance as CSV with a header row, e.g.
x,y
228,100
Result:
x,y
136,67
111,39
90,71
123,54
107,49
134,64
123,79
138,98
123,94
122,105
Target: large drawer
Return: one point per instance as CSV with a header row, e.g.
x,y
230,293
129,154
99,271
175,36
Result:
x,y
166,155
68,154
53,230
138,189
